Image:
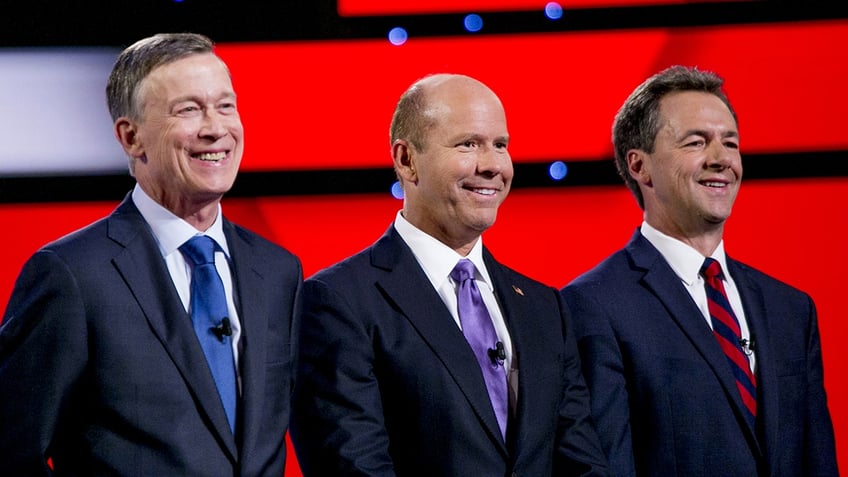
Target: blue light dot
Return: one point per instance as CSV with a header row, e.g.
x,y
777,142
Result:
x,y
553,10
558,171
473,22
398,36
397,190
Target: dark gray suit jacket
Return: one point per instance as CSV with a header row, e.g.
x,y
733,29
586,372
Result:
x,y
387,384
663,397
102,372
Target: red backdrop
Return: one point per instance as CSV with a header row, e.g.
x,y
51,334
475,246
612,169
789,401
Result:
x,y
407,7
327,104
792,229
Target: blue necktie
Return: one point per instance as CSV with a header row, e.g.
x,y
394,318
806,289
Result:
x,y
480,333
209,316
727,332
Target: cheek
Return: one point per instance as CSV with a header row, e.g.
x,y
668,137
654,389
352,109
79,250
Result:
x,y
235,127
508,171
166,139
181,132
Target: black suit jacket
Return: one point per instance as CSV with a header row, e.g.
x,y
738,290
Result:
x,y
663,396
387,384
102,372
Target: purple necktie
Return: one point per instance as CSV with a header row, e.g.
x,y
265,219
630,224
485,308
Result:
x,y
727,332
209,316
480,333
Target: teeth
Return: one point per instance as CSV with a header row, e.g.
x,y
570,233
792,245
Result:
x,y
484,191
715,184
211,156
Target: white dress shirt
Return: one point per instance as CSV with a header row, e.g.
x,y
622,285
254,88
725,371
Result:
x,y
686,263
438,260
171,232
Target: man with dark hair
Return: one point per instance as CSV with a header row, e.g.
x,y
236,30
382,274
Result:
x,y
155,341
697,364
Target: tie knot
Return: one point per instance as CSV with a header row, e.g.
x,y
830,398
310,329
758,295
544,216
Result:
x,y
711,269
199,249
463,270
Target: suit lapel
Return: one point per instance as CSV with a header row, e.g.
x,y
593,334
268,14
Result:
x,y
767,382
408,287
253,314
665,284
515,306
142,267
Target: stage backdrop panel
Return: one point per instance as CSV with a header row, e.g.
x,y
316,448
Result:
x,y
792,229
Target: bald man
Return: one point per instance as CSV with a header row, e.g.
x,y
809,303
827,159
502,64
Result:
x,y
422,355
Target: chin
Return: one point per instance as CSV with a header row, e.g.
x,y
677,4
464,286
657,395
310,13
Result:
x,y
716,219
482,226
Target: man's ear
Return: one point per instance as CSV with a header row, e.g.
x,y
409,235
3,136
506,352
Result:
x,y
403,157
126,131
637,167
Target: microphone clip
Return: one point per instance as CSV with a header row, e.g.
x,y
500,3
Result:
x,y
748,345
498,353
224,329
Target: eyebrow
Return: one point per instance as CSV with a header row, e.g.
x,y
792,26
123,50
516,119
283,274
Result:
x,y
478,137
198,99
704,133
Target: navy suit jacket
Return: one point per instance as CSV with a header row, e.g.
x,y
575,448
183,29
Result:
x,y
102,372
387,384
663,396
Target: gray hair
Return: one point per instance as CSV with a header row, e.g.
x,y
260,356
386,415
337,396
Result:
x,y
139,59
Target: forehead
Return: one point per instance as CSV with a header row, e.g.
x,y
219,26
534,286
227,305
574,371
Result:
x,y
202,73
688,109
466,103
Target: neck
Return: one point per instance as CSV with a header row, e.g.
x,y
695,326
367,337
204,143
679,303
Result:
x,y
200,216
705,240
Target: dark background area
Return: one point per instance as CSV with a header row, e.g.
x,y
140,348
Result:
x,y
101,23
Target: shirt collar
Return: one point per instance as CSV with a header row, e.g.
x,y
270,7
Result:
x,y
684,260
171,231
436,258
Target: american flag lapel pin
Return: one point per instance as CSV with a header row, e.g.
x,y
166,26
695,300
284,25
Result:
x,y
518,290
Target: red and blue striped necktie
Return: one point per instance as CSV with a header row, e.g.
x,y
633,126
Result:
x,y
726,330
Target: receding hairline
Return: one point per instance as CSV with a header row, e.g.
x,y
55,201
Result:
x,y
415,112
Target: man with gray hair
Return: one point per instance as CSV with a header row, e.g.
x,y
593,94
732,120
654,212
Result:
x,y
155,341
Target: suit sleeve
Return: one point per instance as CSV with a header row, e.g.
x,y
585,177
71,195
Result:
x,y
603,370
43,354
579,452
337,422
819,446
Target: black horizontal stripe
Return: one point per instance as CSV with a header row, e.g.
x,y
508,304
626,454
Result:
x,y
83,188
100,23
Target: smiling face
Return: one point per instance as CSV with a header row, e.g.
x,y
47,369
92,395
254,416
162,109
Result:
x,y
455,184
187,144
691,180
